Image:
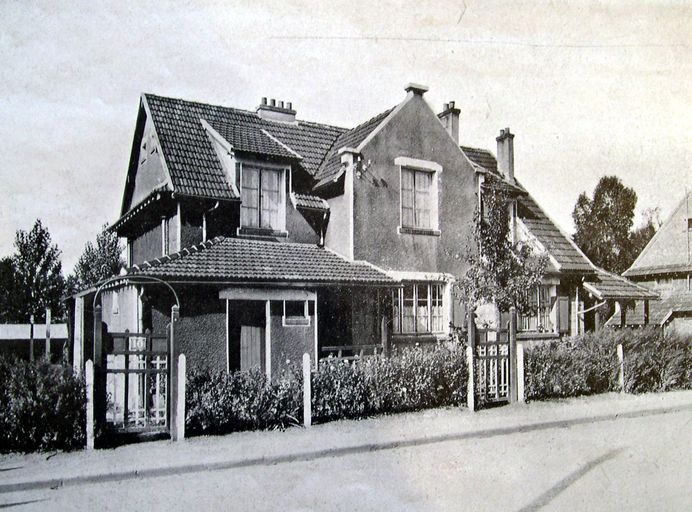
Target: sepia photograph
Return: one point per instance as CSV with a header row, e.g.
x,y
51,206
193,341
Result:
x,y
308,255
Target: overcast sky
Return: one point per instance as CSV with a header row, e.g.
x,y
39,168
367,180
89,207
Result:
x,y
588,89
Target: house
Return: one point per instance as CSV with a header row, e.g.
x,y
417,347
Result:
x,y
278,236
665,267
17,339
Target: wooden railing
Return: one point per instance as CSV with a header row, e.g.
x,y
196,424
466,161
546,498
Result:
x,y
351,352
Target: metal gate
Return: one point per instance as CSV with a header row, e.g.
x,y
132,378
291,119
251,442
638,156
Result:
x,y
492,365
137,377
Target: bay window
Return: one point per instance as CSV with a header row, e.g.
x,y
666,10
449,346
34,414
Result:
x,y
418,309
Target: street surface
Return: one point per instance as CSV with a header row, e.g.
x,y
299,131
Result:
x,y
642,463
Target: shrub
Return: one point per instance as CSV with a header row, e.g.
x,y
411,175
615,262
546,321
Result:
x,y
42,406
588,364
414,378
656,362
221,402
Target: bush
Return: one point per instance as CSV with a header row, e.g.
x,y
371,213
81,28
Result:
x,y
588,364
416,378
412,379
654,362
221,402
569,367
42,406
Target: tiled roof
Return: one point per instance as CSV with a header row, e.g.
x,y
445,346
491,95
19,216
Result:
x,y
331,167
481,157
310,202
549,235
658,269
659,310
612,286
191,159
235,259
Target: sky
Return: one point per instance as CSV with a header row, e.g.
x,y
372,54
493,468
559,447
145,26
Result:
x,y
589,88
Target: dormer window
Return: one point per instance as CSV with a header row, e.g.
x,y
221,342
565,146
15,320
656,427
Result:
x,y
263,198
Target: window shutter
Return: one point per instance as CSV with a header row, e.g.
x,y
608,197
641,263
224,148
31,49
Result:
x,y
407,204
563,314
249,209
423,181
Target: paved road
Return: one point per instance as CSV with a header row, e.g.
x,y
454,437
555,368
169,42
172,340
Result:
x,y
626,464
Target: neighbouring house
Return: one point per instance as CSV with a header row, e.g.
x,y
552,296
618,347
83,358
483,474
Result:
x,y
279,236
16,339
665,267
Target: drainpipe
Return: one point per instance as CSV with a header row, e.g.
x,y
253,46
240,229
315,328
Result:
x,y
204,221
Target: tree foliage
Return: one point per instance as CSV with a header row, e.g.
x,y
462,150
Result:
x,y
98,261
500,271
604,225
34,273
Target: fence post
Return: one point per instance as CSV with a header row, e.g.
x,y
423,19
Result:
x,y
621,367
31,338
521,393
89,377
307,391
173,376
513,373
178,431
48,334
471,385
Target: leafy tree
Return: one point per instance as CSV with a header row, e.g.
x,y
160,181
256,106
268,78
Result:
x,y
98,261
8,292
37,275
604,222
645,232
501,271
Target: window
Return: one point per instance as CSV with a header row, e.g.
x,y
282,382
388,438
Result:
x,y
416,199
417,308
262,198
541,305
296,312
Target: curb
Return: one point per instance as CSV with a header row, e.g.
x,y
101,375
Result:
x,y
56,483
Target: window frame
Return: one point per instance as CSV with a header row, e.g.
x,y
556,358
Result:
x,y
399,306
296,320
284,184
416,167
543,311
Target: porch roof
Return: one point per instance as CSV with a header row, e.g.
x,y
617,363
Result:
x,y
242,260
659,310
612,286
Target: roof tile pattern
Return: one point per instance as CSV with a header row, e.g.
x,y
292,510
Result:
x,y
331,167
548,234
192,162
235,259
614,287
310,202
481,157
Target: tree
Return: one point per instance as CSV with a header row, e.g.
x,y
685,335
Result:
x,y
8,292
98,261
604,222
500,271
36,276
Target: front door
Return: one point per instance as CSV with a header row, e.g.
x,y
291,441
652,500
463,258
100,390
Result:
x,y
251,347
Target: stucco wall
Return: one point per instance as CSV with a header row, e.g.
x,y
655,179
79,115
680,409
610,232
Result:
x,y
415,132
146,246
289,343
150,173
125,316
201,330
339,229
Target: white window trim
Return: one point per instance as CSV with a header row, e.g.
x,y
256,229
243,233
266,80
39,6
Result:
x,y
285,178
444,294
306,316
416,164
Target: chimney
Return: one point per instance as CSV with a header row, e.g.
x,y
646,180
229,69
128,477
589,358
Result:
x,y
416,89
450,120
505,154
274,110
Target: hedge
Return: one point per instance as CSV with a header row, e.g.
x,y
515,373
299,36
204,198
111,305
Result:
x,y
413,378
42,406
588,364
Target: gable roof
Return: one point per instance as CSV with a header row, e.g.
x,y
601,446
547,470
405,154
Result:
x,y
191,160
670,249
242,260
481,157
330,169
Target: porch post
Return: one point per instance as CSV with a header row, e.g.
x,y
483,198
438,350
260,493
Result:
x,y
646,312
512,354
623,314
99,387
89,378
173,376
